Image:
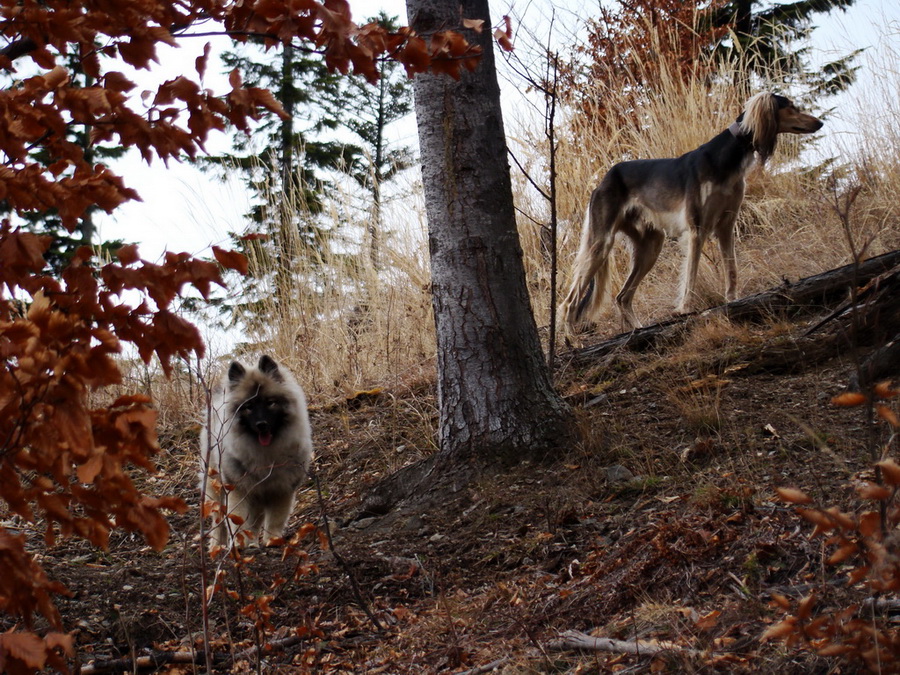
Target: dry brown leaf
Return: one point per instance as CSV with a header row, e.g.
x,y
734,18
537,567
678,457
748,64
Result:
x,y
780,629
873,491
890,470
888,415
849,399
793,495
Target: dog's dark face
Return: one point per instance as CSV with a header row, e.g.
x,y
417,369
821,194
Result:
x,y
263,408
792,121
263,416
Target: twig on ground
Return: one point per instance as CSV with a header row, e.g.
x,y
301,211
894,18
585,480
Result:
x,y
157,659
576,640
284,643
486,668
340,560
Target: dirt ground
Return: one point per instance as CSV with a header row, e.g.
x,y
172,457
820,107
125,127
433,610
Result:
x,y
663,526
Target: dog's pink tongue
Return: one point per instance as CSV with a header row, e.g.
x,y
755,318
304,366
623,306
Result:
x,y
265,439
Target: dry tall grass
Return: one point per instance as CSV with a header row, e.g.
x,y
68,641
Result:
x,y
347,325
354,327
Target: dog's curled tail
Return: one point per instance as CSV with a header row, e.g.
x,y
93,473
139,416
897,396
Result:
x,y
590,273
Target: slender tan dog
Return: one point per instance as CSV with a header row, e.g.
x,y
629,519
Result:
x,y
689,197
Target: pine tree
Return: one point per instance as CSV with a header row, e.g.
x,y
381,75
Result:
x,y
769,34
290,165
626,46
293,154
285,164
373,108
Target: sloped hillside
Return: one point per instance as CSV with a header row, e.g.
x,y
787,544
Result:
x,y
662,531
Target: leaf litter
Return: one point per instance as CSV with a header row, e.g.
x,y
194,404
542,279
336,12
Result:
x,y
687,553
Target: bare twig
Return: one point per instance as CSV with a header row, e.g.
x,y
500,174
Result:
x,y
843,207
153,661
340,560
486,668
284,643
204,477
18,48
157,659
576,640
545,83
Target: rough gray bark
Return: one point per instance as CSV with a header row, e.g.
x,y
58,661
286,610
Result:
x,y
494,392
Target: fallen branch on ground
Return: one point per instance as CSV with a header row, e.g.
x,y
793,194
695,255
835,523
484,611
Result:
x,y
156,659
486,668
821,290
363,605
153,661
573,640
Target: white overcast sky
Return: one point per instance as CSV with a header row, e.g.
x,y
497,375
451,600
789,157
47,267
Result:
x,y
185,210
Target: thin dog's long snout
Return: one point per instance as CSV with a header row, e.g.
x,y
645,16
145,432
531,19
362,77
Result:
x,y
793,121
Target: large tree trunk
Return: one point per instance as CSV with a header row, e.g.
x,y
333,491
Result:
x,y
494,392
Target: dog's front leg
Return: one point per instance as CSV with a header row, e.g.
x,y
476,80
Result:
x,y
726,238
692,245
277,512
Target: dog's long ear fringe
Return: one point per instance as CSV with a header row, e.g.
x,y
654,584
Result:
x,y
760,120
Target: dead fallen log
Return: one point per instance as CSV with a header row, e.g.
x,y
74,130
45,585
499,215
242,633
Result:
x,y
882,364
138,663
880,607
158,659
573,640
813,293
819,291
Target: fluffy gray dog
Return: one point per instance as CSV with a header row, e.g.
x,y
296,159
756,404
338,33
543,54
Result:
x,y
258,446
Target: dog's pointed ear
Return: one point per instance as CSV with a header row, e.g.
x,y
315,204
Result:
x,y
236,373
269,366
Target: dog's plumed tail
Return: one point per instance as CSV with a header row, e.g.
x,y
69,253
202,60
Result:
x,y
590,273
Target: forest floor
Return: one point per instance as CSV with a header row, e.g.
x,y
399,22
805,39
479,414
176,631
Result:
x,y
664,525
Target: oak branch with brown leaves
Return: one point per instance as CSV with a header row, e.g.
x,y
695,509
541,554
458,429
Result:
x,y
62,462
